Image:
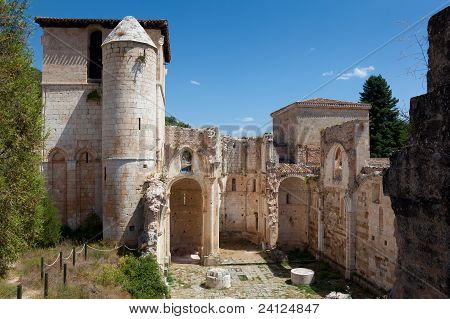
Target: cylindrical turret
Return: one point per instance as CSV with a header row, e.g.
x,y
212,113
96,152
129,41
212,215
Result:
x,y
128,126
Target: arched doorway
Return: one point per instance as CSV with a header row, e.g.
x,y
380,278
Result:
x,y
186,217
57,179
292,213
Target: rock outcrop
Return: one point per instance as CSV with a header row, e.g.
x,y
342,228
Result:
x,y
418,180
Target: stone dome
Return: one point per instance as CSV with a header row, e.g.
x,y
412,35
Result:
x,y
129,29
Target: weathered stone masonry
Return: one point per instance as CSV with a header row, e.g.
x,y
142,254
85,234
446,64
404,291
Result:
x,y
418,180
181,191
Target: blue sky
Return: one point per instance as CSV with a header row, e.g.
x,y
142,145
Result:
x,y
235,62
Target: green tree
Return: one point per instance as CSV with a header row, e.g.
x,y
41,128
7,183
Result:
x,y
388,132
23,202
171,120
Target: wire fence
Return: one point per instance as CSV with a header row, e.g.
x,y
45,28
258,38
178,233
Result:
x,y
74,252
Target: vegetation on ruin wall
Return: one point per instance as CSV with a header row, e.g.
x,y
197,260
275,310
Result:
x,y
27,217
388,131
172,121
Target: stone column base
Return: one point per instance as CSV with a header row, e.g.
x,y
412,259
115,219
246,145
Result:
x,y
211,260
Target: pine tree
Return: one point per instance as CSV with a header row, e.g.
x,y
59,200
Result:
x,y
387,131
24,214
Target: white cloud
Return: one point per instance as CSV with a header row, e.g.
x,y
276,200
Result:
x,y
328,73
247,119
358,72
194,82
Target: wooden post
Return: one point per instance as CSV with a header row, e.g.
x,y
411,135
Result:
x,y
73,256
60,260
42,268
19,291
85,252
65,274
45,285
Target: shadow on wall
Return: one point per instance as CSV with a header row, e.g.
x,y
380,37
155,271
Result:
x,y
77,187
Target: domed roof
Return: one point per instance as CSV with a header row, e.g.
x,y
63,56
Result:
x,y
129,29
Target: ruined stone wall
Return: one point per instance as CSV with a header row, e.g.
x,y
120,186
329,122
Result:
x,y
334,227
186,217
419,178
293,210
356,222
375,244
314,215
243,196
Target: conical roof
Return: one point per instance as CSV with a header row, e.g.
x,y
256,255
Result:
x,y
129,29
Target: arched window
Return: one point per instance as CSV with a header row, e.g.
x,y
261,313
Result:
x,y
186,162
337,171
95,56
233,184
380,219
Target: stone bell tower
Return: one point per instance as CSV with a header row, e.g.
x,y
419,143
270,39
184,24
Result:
x,y
128,126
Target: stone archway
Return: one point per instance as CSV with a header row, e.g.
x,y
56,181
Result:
x,y
292,213
186,217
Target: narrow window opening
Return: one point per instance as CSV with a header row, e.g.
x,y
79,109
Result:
x,y
376,193
380,219
256,221
139,124
337,174
104,174
254,185
288,198
186,162
87,157
95,56
233,184
131,228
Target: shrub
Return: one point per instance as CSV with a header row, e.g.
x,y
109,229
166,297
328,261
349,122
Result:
x,y
91,228
141,277
51,231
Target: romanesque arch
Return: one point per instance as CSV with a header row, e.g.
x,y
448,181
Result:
x,y
85,184
186,217
336,167
292,213
57,181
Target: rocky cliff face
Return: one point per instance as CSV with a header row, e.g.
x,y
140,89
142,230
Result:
x,y
418,180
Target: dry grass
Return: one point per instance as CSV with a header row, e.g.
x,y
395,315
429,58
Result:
x,y
92,278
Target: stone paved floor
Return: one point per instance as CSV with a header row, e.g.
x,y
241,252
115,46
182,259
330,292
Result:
x,y
253,275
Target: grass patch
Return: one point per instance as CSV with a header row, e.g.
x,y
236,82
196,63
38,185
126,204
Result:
x,y
7,291
71,292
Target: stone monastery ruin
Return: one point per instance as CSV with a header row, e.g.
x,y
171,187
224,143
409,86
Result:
x,y
180,191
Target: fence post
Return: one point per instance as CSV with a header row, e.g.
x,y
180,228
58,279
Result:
x,y
45,285
73,256
60,260
85,252
65,274
42,268
19,291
